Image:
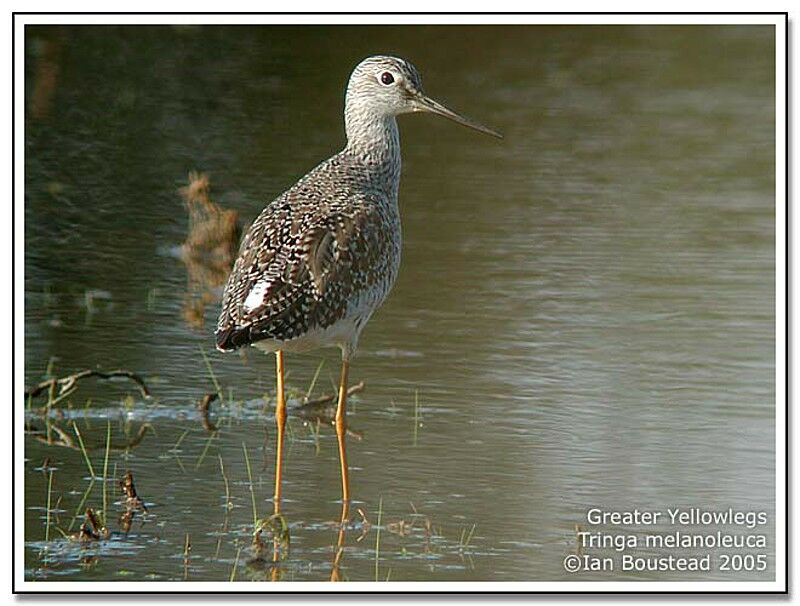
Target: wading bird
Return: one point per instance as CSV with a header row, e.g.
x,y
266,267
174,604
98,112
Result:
x,y
322,256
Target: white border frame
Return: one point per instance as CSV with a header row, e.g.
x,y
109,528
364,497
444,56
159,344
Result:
x,y
780,583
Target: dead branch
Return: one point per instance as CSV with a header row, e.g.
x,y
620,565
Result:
x,y
69,382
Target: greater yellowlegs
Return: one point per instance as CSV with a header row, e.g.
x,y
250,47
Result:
x,y
322,256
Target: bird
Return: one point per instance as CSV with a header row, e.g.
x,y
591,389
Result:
x,y
322,257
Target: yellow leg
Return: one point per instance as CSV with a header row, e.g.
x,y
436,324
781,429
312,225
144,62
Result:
x,y
280,421
341,431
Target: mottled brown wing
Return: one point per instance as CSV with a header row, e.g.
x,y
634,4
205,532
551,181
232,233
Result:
x,y
296,271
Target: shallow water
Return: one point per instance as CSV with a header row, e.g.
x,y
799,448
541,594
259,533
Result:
x,y
584,316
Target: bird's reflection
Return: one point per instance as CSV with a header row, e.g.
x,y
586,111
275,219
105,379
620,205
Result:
x,y
338,550
322,411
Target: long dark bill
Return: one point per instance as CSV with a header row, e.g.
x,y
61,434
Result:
x,y
424,103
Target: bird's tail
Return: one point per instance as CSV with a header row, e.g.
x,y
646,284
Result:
x,y
232,338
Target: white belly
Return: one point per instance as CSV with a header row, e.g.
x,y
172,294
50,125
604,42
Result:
x,y
336,335
342,334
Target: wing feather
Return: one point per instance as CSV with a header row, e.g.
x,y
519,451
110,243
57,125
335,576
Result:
x,y
297,271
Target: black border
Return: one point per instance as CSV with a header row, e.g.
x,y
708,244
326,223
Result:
x,y
14,589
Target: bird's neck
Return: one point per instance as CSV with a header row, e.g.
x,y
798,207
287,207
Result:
x,y
375,141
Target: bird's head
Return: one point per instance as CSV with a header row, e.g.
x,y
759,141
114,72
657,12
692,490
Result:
x,y
390,86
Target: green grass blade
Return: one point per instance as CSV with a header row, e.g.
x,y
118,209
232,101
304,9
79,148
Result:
x,y
83,449
252,491
105,472
378,538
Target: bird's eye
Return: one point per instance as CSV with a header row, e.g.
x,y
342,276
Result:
x,y
387,78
